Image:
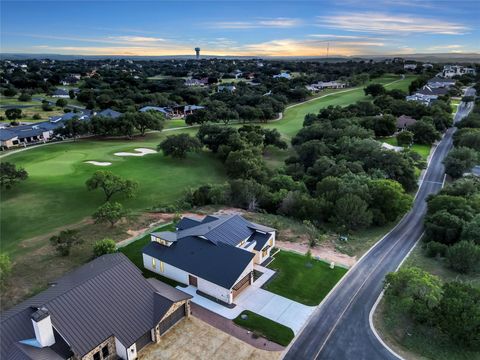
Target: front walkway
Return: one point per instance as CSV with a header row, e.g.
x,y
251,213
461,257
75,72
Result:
x,y
272,306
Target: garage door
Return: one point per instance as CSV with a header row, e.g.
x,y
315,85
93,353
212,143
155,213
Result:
x,y
241,285
175,317
144,340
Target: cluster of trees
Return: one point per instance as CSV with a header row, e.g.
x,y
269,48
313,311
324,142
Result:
x,y
466,140
10,175
127,125
334,178
450,309
452,225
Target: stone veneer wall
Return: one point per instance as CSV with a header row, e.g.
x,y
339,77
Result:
x,y
111,348
174,307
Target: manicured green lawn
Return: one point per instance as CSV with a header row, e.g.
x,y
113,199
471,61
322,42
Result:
x,y
266,328
292,120
303,280
55,194
134,252
422,150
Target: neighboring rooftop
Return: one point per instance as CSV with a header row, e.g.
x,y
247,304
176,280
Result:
x,y
107,296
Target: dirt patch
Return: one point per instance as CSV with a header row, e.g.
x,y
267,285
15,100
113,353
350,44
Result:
x,y
39,264
194,339
325,251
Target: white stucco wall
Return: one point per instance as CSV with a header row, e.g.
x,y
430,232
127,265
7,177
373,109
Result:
x,y
121,350
132,352
168,270
214,290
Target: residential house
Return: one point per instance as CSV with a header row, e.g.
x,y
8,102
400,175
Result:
x,y
103,310
184,110
432,93
81,115
438,82
423,99
409,66
326,85
228,88
71,79
427,66
61,93
404,121
196,82
164,110
26,134
216,255
109,113
283,75
450,71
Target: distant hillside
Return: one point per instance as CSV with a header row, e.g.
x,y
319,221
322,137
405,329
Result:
x,y
440,57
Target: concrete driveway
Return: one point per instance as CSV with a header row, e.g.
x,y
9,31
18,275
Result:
x,y
192,338
272,306
275,307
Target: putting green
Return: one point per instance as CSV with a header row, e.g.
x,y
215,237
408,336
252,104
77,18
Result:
x,y
55,194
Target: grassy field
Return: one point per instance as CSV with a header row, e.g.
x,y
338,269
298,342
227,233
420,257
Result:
x,y
301,279
55,194
423,150
293,117
266,328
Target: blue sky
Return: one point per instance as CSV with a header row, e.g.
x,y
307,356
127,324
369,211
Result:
x,y
260,28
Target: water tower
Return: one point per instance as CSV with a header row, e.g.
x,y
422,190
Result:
x,y
197,53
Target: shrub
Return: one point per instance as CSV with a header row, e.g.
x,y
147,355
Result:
x,y
464,257
434,249
37,117
105,246
24,97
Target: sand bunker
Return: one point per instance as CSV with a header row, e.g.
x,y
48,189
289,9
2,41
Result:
x,y
139,152
99,163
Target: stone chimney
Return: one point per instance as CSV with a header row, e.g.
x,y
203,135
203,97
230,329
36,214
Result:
x,y
42,324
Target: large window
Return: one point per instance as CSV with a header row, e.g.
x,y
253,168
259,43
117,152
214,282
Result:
x,y
96,356
154,263
162,266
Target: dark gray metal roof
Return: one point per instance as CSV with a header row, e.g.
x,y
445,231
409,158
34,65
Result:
x,y
230,229
186,223
23,352
110,113
166,235
168,291
220,264
260,238
6,134
108,296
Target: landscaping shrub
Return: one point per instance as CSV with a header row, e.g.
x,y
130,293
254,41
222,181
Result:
x,y
434,249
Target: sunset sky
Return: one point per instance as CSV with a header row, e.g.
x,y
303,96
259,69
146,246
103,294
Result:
x,y
251,28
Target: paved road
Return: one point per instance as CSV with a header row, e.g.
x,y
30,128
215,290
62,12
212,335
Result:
x,y
340,329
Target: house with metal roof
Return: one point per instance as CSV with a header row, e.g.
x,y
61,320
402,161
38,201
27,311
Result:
x,y
103,310
110,113
216,255
27,134
164,110
404,121
61,93
438,82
